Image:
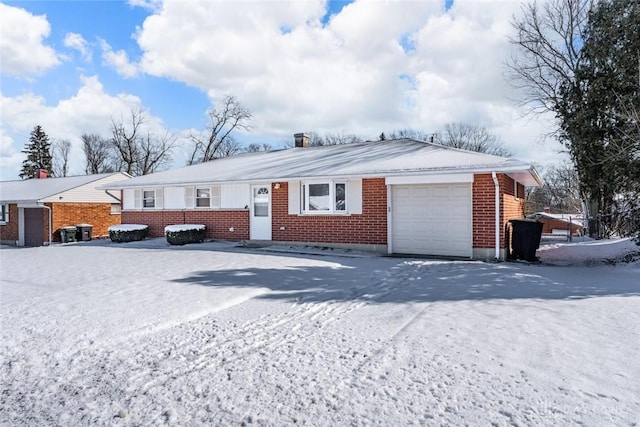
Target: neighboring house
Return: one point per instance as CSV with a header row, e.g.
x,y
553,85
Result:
x,y
34,210
559,223
395,196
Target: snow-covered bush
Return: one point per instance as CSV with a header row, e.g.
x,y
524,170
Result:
x,y
181,234
128,232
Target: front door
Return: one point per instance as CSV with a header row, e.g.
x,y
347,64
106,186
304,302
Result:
x,y
261,212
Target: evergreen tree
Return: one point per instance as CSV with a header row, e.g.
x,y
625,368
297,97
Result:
x,y
38,153
594,108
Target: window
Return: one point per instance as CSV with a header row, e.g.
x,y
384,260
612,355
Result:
x,y
203,197
149,199
116,209
325,197
4,213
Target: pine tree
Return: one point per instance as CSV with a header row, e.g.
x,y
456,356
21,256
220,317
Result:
x,y
38,153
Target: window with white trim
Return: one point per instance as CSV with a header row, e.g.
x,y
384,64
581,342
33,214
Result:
x,y
148,198
4,213
324,197
203,197
207,197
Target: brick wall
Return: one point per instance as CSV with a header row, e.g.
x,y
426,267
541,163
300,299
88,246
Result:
x,y
484,221
217,222
67,214
9,231
368,228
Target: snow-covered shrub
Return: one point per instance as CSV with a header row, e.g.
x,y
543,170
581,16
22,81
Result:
x,y
128,232
181,234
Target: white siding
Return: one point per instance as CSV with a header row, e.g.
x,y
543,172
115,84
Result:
x,y
174,198
129,199
354,196
235,196
294,197
88,193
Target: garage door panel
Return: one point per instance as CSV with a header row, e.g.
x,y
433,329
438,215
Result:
x,y
432,219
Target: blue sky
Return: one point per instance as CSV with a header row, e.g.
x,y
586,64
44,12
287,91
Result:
x,y
358,67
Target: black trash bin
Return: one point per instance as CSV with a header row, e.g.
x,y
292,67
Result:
x,y
84,232
525,239
68,234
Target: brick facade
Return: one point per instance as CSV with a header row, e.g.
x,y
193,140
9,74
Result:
x,y
218,222
511,207
97,214
9,231
370,227
64,214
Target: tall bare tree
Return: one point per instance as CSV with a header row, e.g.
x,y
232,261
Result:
x,y
138,151
473,138
60,150
98,153
214,142
548,37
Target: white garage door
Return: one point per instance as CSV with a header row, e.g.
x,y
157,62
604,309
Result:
x,y
433,219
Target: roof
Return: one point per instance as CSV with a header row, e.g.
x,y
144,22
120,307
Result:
x,y
402,157
35,190
559,216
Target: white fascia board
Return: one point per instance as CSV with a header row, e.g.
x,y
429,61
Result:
x,y
430,179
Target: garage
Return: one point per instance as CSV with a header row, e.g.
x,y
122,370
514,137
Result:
x,y
432,219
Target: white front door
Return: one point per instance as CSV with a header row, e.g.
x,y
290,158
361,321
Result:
x,y
261,212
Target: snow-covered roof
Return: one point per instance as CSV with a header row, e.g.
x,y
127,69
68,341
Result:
x,y
37,190
401,157
559,216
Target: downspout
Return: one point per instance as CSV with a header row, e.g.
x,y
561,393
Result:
x,y
50,225
497,202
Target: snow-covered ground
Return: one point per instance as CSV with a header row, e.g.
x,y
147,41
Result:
x,y
144,333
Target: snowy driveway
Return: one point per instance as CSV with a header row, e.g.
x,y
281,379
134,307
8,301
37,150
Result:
x,y
210,334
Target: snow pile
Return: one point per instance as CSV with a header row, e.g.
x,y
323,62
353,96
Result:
x,y
183,227
588,251
127,227
212,334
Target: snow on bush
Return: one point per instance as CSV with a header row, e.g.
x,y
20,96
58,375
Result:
x,y
128,232
181,234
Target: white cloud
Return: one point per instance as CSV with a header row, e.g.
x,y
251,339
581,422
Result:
x,y
375,66
118,60
21,48
77,42
90,110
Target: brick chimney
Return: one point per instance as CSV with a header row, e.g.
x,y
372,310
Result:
x,y
41,174
547,209
301,140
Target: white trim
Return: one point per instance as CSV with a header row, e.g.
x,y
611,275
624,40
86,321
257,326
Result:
x,y
430,179
389,222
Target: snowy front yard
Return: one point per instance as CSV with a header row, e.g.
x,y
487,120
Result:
x,y
147,334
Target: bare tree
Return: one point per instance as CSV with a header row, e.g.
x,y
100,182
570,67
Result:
x,y
473,138
561,191
60,156
153,153
98,154
548,40
139,152
214,142
409,134
256,148
125,138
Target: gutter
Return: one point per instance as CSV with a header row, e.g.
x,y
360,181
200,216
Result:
x,y
497,202
42,205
